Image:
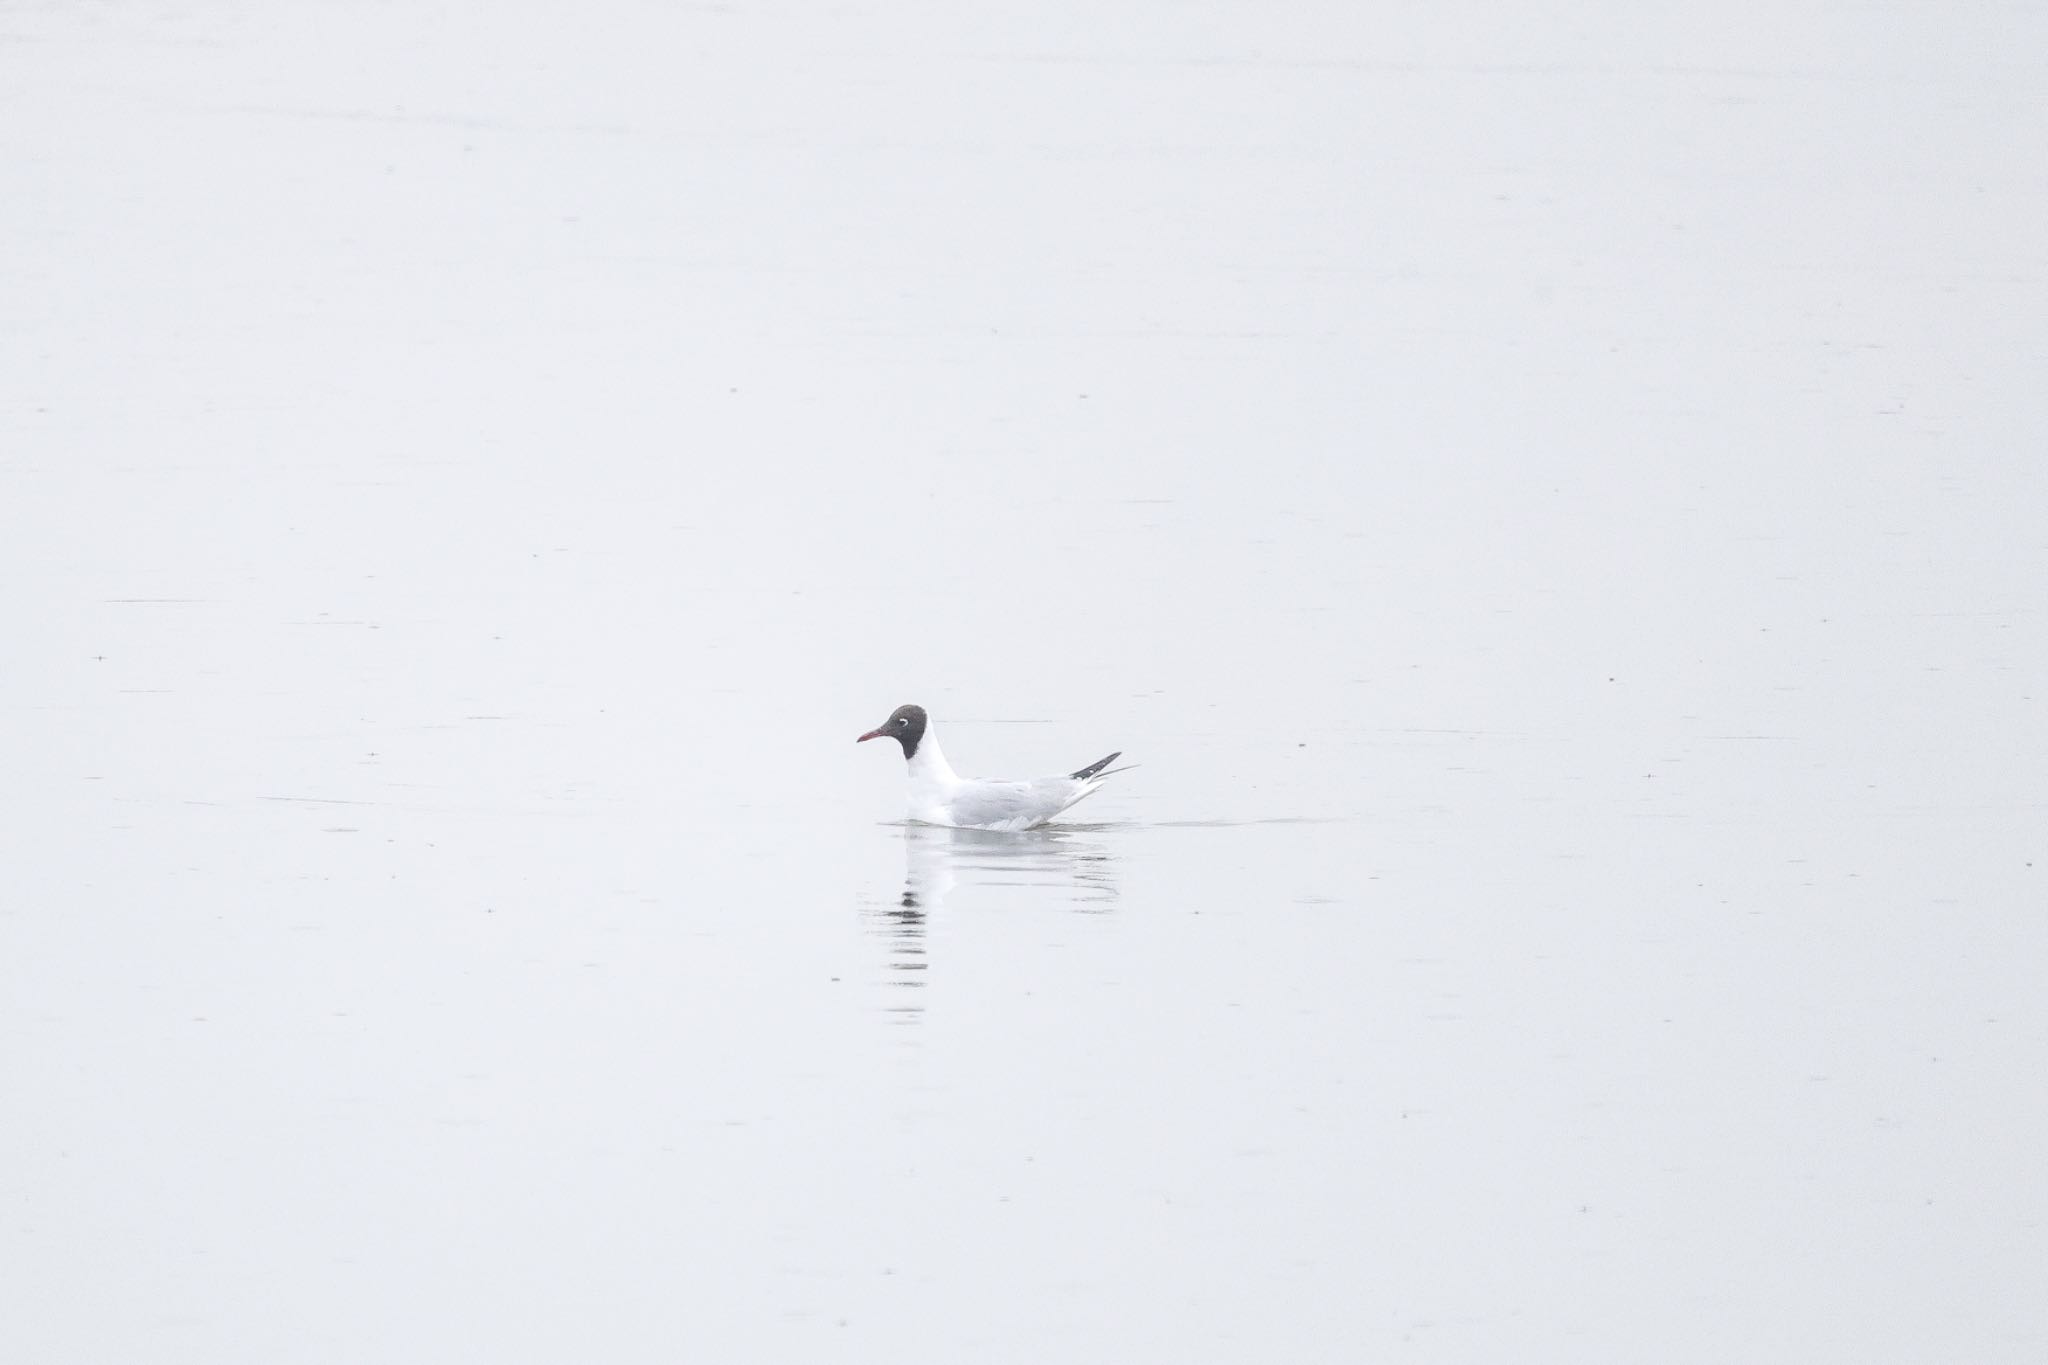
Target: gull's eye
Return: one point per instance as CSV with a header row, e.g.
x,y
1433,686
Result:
x,y
903,720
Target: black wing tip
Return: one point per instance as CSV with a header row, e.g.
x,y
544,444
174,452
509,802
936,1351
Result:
x,y
1083,774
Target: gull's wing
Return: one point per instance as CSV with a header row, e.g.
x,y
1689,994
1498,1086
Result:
x,y
983,804
1095,769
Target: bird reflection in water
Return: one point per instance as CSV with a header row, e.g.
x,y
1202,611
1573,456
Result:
x,y
1060,865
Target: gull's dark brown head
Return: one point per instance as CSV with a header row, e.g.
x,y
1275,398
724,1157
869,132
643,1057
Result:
x,y
905,725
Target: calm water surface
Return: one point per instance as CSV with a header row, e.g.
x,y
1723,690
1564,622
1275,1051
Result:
x,y
1555,512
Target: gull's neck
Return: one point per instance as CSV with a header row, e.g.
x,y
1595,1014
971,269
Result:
x,y
928,765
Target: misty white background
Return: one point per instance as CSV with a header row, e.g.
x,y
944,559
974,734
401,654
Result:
x,y
1553,498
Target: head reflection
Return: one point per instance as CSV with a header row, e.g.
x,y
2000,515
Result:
x,y
1063,868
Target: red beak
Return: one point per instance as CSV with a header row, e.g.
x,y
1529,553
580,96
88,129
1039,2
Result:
x,y
872,734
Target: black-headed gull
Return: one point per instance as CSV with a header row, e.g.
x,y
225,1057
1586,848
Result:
x,y
940,796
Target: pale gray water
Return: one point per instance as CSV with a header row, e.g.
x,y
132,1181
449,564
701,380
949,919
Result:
x,y
1554,502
